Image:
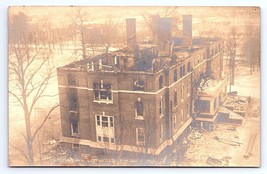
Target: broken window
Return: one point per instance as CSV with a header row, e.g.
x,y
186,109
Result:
x,y
138,85
161,82
74,128
105,128
104,121
181,72
98,120
140,136
73,106
175,98
111,122
102,92
71,80
105,139
139,109
188,67
175,75
161,106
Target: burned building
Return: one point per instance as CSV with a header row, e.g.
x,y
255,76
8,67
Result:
x,y
142,98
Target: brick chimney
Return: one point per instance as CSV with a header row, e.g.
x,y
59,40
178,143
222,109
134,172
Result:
x,y
154,28
131,33
187,30
164,36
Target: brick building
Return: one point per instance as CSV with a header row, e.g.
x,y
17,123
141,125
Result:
x,y
144,97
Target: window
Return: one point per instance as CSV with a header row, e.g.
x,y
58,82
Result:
x,y
175,121
161,132
102,92
175,98
175,75
74,128
188,67
140,136
181,72
203,106
138,84
161,82
182,92
73,106
184,70
161,107
111,122
105,139
182,115
71,80
104,121
139,109
105,128
188,110
98,120
188,88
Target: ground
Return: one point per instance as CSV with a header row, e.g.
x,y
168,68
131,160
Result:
x,y
208,146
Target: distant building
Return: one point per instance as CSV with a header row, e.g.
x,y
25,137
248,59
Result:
x,y
144,97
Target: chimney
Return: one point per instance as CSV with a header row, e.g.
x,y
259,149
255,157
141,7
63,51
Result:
x,y
164,36
154,28
131,33
187,30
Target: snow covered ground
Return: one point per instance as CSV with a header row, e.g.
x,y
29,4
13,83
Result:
x,y
246,84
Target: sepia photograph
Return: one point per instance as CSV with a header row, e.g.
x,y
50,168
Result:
x,y
140,86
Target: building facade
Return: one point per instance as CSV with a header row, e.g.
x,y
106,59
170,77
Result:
x,y
142,98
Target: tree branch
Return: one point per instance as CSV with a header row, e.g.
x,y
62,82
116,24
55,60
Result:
x,y
46,117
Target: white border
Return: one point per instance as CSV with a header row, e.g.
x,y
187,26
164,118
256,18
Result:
x,y
3,88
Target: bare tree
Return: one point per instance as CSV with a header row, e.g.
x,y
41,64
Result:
x,y
30,71
79,19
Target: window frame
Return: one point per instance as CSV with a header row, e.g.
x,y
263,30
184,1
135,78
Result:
x,y
110,127
74,134
138,141
161,112
140,117
99,89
